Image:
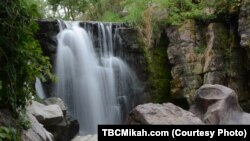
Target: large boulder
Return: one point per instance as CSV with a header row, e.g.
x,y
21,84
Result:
x,y
51,116
217,104
46,114
166,113
67,128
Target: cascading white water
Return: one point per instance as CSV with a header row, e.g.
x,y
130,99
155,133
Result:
x,y
39,89
96,88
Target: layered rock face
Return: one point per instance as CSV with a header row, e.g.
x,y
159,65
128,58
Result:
x,y
187,64
210,53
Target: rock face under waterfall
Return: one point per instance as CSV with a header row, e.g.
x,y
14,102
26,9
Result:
x,y
217,104
166,113
98,72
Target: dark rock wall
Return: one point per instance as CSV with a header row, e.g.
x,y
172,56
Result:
x,y
46,36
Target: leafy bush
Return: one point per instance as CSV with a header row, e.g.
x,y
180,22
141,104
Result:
x,y
21,57
8,134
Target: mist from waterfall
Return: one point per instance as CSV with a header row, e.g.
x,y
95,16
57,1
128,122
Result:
x,y
97,86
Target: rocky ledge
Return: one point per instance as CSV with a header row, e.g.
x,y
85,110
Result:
x,y
166,113
50,122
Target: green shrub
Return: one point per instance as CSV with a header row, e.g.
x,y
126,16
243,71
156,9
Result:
x,y
9,134
21,57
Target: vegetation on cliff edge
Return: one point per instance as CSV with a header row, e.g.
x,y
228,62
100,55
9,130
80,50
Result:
x,y
21,60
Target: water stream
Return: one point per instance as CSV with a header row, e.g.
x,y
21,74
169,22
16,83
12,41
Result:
x,y
97,86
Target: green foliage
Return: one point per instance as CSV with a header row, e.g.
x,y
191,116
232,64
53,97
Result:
x,y
134,10
160,75
68,9
21,57
104,10
172,12
23,120
9,134
110,16
200,49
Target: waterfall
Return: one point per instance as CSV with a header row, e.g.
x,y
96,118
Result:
x,y
97,86
39,89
